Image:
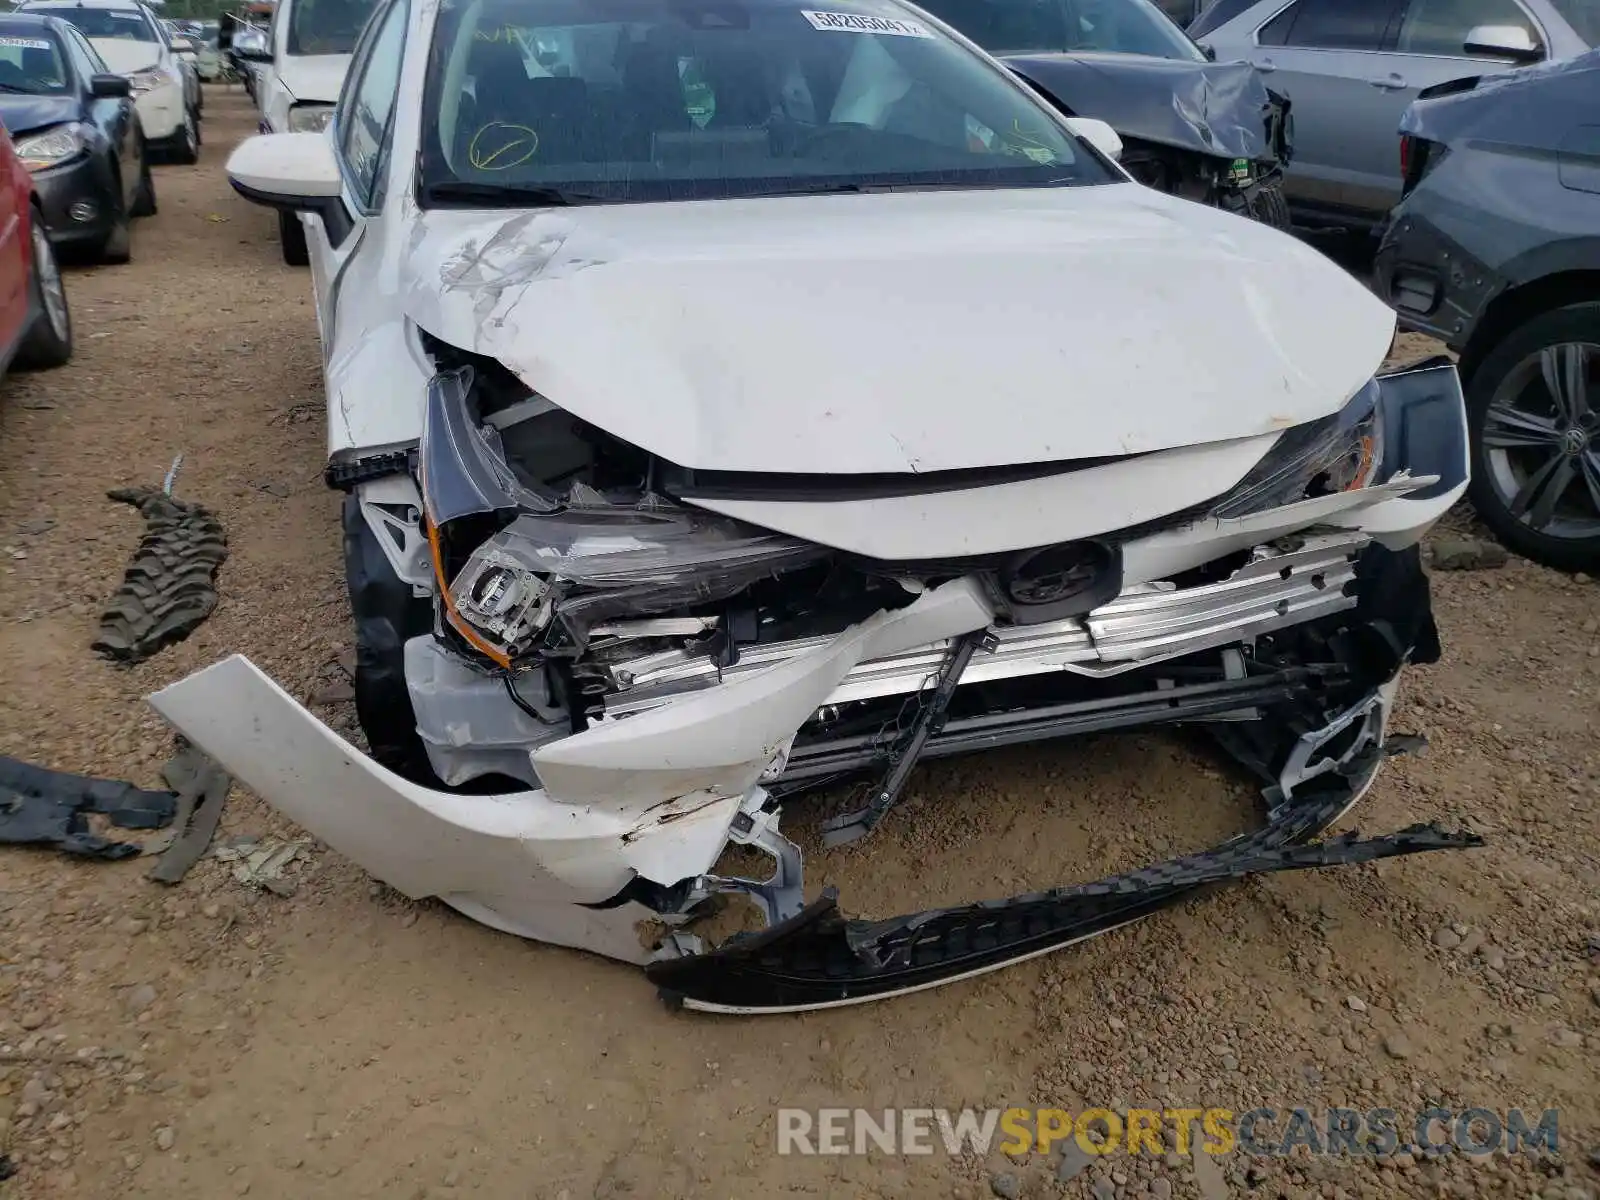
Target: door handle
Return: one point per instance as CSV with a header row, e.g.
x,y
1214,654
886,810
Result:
x,y
1392,83
1266,64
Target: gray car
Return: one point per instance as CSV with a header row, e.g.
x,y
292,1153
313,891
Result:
x,y
1352,67
1495,249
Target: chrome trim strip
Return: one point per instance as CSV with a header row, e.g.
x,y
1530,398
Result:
x,y
1146,624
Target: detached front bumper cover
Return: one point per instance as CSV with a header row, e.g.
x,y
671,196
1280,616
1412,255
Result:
x,y
820,959
1289,655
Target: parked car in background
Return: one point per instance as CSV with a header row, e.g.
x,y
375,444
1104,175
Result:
x,y
133,42
208,60
75,129
186,49
303,66
244,46
1210,132
715,385
1351,67
35,323
1495,249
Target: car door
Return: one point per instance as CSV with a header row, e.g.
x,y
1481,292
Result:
x,y
361,131
1330,57
15,251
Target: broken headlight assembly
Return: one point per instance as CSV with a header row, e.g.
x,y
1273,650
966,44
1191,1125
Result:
x,y
1339,453
585,565
525,565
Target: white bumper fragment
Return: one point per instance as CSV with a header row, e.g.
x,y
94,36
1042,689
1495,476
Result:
x,y
652,796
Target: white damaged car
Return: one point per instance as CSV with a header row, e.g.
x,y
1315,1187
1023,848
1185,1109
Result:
x,y
734,398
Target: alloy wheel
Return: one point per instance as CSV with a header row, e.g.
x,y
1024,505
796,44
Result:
x,y
51,290
1541,440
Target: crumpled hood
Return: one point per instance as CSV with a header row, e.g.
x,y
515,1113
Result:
x,y
125,56
314,78
1508,104
914,331
23,114
1222,109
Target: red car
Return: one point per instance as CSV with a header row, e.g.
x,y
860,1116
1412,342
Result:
x,y
35,326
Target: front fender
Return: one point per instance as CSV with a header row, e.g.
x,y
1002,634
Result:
x,y
1222,110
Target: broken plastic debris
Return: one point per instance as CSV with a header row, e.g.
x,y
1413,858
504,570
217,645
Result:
x,y
202,789
40,807
261,864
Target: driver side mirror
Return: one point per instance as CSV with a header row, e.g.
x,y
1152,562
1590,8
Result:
x,y
1503,41
1098,134
179,46
109,87
292,172
1208,50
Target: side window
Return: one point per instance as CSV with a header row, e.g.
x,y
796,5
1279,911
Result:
x,y
91,56
1214,14
278,20
1331,25
362,124
158,31
1441,26
1178,11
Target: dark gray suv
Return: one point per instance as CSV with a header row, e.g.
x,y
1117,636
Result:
x,y
1495,248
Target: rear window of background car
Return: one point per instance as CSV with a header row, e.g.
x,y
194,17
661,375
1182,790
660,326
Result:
x,y
108,23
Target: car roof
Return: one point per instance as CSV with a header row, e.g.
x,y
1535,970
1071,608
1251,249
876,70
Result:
x,y
21,22
59,5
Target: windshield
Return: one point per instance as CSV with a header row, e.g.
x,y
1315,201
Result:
x,y
1583,16
326,26
121,24
31,64
1063,26
689,100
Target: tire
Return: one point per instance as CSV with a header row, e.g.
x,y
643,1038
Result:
x,y
292,236
118,246
1551,442
387,615
144,198
186,143
48,342
1269,205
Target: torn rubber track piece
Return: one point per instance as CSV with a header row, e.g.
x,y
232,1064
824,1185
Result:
x,y
169,587
39,807
820,959
202,789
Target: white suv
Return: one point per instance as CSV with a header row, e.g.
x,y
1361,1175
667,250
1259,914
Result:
x,y
302,70
136,45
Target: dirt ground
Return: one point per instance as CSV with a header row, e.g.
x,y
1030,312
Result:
x,y
209,1041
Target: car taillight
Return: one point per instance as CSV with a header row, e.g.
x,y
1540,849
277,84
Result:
x,y
1405,155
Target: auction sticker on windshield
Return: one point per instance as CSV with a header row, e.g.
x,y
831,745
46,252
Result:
x,y
26,43
855,23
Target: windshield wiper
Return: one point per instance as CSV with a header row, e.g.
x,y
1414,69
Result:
x,y
501,194
14,90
